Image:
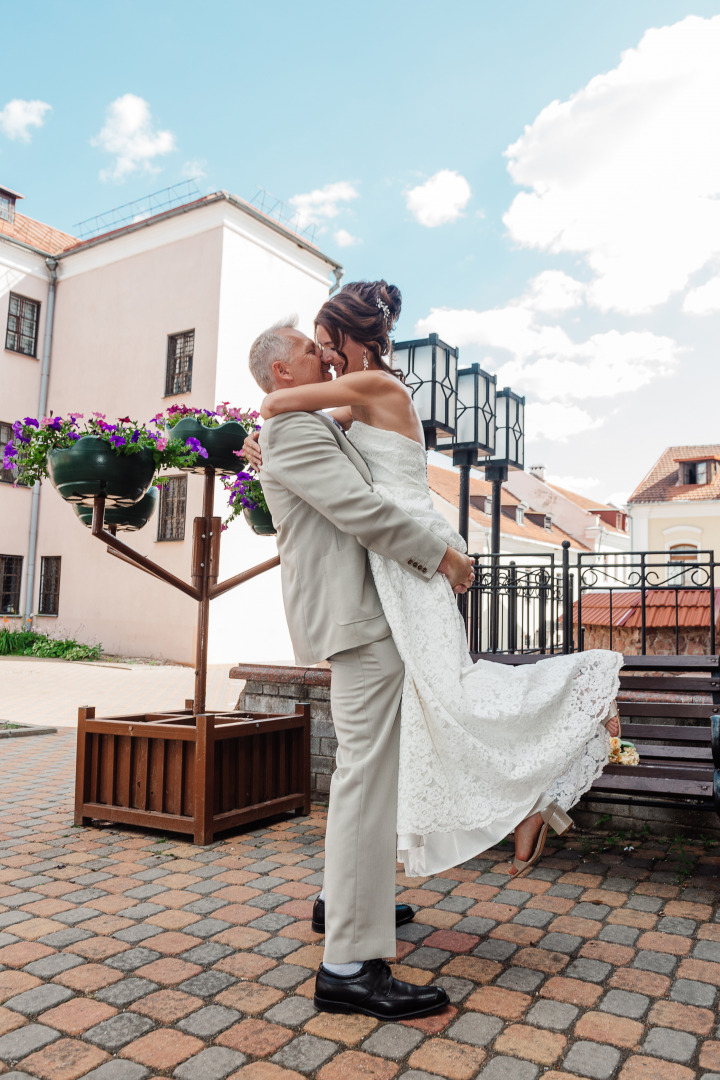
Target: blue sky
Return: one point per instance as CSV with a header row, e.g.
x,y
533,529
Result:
x,y
351,111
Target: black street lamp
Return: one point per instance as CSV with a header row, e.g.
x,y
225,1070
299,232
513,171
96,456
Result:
x,y
431,375
475,431
509,454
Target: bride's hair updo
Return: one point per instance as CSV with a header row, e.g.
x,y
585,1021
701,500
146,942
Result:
x,y
365,311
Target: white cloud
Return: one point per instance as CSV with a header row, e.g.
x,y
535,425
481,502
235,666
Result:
x,y
128,133
705,299
626,172
556,421
554,291
440,199
578,484
318,206
194,169
18,116
345,239
618,498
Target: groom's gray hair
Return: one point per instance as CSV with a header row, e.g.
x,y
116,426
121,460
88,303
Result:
x,y
269,347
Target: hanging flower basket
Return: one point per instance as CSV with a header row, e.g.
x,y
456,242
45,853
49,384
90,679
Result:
x,y
124,518
91,466
260,521
221,442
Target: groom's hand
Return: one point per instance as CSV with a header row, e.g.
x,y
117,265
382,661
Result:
x,y
458,569
251,451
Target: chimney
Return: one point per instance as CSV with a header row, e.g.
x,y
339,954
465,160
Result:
x,y
538,471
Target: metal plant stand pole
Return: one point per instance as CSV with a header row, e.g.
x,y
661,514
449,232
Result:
x,y
497,475
204,573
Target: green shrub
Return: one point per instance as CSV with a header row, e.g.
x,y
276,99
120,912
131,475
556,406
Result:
x,y
33,643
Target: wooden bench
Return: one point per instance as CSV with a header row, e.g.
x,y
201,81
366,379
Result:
x,y
679,763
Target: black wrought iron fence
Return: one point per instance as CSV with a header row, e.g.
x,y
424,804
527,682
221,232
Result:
x,y
637,602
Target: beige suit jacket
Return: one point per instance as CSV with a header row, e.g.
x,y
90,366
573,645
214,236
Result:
x,y
319,492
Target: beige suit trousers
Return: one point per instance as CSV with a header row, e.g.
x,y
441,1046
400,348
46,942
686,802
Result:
x,y
360,842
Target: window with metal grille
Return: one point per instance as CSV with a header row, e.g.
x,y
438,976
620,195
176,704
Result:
x,y
7,476
22,325
171,515
49,585
178,374
10,575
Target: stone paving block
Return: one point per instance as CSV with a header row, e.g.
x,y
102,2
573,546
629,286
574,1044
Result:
x,y
209,1021
215,1063
428,958
625,1003
277,947
207,984
676,925
291,1012
118,1070
662,963
671,1045
119,1030
533,917
39,999
132,959
555,1015
475,1029
590,970
707,950
508,1068
285,977
452,1060
522,979
123,993
691,992
619,935
592,1060
412,931
66,1059
564,943
305,1053
456,989
393,1041
49,966
495,949
25,1040
271,923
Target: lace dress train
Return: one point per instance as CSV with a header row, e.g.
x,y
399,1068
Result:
x,y
480,743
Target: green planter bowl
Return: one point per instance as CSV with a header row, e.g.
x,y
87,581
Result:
x,y
124,518
92,467
220,442
260,522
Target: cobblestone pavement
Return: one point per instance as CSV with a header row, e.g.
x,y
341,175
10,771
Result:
x,y
50,692
126,956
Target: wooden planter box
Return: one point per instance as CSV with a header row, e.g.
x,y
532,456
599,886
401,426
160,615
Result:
x,y
192,774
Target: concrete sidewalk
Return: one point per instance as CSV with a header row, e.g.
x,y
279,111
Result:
x,y
129,955
49,692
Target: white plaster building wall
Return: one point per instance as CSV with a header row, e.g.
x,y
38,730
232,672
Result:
x,y
265,276
25,273
116,305
566,514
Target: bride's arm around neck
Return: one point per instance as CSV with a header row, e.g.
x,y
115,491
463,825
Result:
x,y
358,388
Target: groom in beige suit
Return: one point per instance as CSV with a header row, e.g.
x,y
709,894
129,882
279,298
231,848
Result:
x,y
327,515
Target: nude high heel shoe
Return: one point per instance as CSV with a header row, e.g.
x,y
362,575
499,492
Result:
x,y
555,818
614,714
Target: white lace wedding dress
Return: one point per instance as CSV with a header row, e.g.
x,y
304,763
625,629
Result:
x,y
479,743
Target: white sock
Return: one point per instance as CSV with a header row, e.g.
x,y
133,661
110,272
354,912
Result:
x,y
343,969
322,895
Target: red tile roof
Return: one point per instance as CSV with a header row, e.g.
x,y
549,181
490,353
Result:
x,y
663,607
661,483
43,238
446,483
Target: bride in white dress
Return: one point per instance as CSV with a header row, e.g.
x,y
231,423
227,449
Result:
x,y
485,748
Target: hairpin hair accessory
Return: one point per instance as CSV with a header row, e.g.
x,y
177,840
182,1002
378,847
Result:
x,y
384,308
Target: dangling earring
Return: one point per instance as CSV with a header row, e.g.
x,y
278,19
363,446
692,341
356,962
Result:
x,y
366,362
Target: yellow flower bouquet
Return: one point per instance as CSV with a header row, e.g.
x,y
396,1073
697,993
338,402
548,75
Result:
x,y
623,753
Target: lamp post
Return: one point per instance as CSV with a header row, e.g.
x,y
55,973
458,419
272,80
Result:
x,y
474,432
509,454
431,375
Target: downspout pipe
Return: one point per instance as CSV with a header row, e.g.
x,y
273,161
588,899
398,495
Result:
x,y
42,406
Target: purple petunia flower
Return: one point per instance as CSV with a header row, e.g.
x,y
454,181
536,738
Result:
x,y
196,446
117,440
30,421
135,436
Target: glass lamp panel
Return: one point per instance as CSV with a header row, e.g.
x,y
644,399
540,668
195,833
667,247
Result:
x,y
420,379
465,430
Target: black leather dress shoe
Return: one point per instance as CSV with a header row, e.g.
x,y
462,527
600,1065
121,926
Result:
x,y
374,992
403,914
